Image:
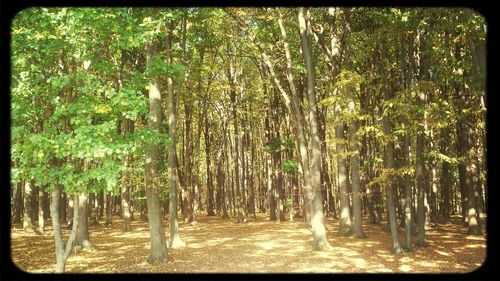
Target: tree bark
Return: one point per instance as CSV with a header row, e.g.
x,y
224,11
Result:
x,y
18,202
317,219
174,239
41,217
82,239
125,189
109,209
27,209
158,251
236,156
62,251
408,191
389,165
355,177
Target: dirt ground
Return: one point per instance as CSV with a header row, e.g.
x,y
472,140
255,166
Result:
x,y
216,245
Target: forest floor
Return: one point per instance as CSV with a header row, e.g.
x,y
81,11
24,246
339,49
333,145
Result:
x,y
216,245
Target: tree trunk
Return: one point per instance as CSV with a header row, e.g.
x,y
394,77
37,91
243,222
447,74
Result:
x,y
18,202
62,251
41,217
158,251
174,239
345,223
317,218
236,156
210,189
109,209
421,191
125,197
27,209
355,177
408,190
389,165
446,195
82,239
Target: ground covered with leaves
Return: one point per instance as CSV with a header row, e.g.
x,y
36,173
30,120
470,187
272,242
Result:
x,y
215,245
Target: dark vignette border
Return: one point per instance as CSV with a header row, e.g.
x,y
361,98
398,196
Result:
x,y
8,271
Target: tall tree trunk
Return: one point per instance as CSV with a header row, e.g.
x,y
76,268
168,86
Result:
x,y
421,191
175,240
345,223
408,190
252,177
299,122
158,251
125,189
236,156
474,202
188,153
210,191
445,191
317,219
420,165
355,177
389,165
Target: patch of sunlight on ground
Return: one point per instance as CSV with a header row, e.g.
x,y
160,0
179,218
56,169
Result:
x,y
441,253
405,268
406,259
134,234
427,264
382,269
475,246
269,245
195,245
359,263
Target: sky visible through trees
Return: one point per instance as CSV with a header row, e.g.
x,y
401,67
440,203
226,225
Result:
x,y
328,135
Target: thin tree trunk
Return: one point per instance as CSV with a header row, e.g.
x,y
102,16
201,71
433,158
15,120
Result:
x,y
41,217
389,164
236,156
175,240
109,209
125,197
408,191
355,177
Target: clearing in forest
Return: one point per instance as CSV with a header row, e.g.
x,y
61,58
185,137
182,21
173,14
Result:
x,y
216,245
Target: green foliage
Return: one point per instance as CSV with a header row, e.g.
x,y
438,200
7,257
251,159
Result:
x,y
290,166
159,67
280,144
442,157
288,202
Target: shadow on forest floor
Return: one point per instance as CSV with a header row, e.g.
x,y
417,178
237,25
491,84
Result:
x,y
216,245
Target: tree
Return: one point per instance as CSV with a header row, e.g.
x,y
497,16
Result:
x,y
174,239
317,219
158,252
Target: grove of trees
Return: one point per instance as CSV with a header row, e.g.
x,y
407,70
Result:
x,y
368,115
